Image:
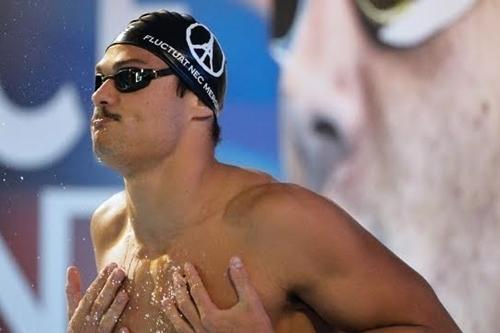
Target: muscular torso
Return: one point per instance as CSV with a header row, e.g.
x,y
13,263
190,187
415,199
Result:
x,y
209,246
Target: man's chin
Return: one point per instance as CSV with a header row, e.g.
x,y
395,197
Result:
x,y
104,155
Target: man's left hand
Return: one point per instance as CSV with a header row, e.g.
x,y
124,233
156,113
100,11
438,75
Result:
x,y
193,311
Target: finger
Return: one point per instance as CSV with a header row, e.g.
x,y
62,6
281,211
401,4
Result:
x,y
175,317
114,312
241,282
198,291
73,290
86,302
107,294
184,301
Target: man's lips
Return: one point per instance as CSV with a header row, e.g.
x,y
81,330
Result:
x,y
102,116
99,122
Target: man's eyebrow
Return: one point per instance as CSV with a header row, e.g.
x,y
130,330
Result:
x,y
122,63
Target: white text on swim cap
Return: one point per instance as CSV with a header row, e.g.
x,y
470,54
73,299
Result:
x,y
166,47
194,72
177,55
211,94
186,64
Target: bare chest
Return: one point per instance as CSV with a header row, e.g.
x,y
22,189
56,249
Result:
x,y
149,280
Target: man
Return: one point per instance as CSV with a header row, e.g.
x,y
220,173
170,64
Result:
x,y
391,108
164,243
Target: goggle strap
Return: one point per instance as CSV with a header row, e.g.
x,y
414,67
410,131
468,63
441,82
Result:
x,y
163,72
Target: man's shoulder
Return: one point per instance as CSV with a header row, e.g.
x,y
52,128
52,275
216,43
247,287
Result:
x,y
280,205
262,195
303,230
108,220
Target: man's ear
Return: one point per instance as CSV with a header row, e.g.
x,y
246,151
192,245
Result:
x,y
200,109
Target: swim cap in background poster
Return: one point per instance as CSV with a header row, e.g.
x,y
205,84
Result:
x,y
50,182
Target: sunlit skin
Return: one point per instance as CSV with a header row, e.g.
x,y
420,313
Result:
x,y
415,151
314,269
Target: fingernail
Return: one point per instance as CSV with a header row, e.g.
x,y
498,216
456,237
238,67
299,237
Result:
x,y
188,267
177,278
118,274
110,267
236,262
71,271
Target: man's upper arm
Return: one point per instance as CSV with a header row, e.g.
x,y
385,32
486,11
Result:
x,y
331,263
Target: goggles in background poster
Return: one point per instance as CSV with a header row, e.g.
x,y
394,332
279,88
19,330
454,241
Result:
x,y
399,24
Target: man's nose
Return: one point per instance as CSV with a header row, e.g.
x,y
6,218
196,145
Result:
x,y
106,94
322,87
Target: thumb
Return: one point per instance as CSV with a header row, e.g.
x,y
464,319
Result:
x,y
73,290
240,279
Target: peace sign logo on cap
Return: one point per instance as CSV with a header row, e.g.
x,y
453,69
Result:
x,y
205,49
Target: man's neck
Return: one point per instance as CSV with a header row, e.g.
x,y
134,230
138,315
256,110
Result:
x,y
169,198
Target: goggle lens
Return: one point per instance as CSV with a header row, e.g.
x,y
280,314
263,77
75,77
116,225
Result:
x,y
131,79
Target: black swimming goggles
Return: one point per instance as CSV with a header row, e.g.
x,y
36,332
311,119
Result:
x,y
132,79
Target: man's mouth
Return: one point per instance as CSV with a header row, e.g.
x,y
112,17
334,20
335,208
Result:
x,y
102,114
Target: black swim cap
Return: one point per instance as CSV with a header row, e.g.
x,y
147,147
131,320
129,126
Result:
x,y
187,46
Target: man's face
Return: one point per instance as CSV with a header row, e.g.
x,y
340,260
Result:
x,y
406,139
142,125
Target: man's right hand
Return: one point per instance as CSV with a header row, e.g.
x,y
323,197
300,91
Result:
x,y
101,306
